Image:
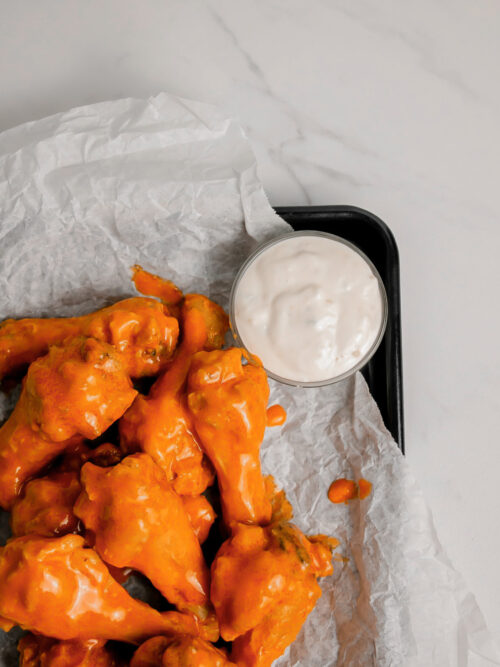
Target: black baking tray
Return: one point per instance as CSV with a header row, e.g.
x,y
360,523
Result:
x,y
384,372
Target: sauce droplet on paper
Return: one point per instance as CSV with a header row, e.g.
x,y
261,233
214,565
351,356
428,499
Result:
x,y
276,415
342,490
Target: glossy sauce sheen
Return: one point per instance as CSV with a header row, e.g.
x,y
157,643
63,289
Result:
x,y
310,307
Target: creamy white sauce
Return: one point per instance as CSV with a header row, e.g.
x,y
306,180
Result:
x,y
310,307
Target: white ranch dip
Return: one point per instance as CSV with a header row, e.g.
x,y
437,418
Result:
x,y
309,306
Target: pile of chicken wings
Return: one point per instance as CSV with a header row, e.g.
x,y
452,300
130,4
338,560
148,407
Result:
x,y
101,480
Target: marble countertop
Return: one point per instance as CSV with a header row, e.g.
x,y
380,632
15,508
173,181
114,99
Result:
x,y
389,106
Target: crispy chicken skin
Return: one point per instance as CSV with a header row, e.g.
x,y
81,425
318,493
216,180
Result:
x,y
160,424
76,391
38,651
228,403
179,651
58,588
140,328
139,521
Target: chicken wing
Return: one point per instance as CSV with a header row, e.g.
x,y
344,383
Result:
x,y
160,423
58,588
46,505
139,521
38,651
228,402
140,328
179,651
264,585
76,391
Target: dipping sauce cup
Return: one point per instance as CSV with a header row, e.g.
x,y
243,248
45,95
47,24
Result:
x,y
311,306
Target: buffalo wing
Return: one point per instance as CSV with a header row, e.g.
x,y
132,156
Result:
x,y
76,391
58,588
139,521
140,328
228,402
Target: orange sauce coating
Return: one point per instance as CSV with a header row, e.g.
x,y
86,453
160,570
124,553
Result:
x,y
58,588
139,521
47,506
37,651
228,403
365,488
77,390
179,651
141,329
160,424
152,285
201,515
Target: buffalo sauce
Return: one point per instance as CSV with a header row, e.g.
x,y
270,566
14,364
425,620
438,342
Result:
x,y
342,490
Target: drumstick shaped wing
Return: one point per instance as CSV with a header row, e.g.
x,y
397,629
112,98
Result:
x,y
58,588
160,424
140,328
139,521
76,391
228,402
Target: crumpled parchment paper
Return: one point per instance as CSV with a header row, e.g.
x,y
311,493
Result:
x,y
171,184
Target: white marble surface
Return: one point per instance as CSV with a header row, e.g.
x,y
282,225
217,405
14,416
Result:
x,y
392,106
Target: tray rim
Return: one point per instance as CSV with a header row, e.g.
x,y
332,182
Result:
x,y
394,293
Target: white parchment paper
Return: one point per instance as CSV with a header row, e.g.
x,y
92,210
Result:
x,y
171,184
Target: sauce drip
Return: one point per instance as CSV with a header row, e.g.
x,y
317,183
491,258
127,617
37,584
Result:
x,y
342,490
276,415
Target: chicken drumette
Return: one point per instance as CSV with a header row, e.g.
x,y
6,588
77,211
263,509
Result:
x,y
139,521
58,588
160,424
76,391
228,402
140,328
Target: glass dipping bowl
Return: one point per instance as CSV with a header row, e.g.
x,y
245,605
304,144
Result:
x,y
332,237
